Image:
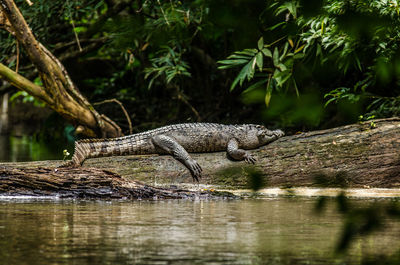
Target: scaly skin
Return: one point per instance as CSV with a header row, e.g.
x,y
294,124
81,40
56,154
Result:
x,y
179,140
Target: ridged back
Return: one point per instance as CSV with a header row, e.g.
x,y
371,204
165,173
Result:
x,y
136,143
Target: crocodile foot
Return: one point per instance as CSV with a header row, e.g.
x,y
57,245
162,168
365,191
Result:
x,y
249,158
194,169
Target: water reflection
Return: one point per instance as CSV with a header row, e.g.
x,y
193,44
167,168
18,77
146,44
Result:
x,y
273,231
27,148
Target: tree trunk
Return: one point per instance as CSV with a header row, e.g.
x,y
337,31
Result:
x,y
58,91
355,156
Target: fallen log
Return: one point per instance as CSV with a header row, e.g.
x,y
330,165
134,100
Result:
x,y
85,183
359,155
356,156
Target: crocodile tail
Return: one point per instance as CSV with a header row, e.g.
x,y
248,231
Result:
x,y
90,148
81,152
69,163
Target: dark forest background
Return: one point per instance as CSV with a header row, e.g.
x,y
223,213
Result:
x,y
297,65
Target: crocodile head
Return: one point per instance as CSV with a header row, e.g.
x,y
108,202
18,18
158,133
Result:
x,y
265,136
253,136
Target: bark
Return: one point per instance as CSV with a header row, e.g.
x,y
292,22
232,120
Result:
x,y
58,91
85,183
358,155
355,156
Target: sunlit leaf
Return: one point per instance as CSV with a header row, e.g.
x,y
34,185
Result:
x,y
281,67
260,43
268,93
246,72
239,56
300,48
259,60
275,57
253,63
291,43
285,49
266,52
282,77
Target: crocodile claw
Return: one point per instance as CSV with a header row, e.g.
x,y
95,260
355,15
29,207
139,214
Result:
x,y
249,159
194,169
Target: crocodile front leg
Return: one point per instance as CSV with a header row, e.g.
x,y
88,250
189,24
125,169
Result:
x,y
165,144
239,154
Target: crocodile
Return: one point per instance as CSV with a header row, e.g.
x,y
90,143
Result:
x,y
178,141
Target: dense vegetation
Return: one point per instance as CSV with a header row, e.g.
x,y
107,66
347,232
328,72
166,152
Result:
x,y
293,64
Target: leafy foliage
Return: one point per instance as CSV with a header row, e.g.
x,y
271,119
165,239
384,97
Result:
x,y
170,66
276,74
303,63
353,41
363,221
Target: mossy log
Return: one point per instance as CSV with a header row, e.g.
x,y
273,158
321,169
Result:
x,y
355,156
359,155
88,183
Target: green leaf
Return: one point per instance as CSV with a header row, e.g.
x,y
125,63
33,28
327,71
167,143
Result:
x,y
38,81
227,66
238,56
260,43
358,63
300,48
259,60
284,51
233,62
281,67
246,71
298,56
268,94
329,101
234,83
255,85
295,87
250,70
248,52
281,77
276,25
275,57
267,52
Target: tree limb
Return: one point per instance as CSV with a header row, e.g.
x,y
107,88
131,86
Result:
x,y
21,82
66,99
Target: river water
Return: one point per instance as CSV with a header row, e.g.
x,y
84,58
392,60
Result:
x,y
27,148
277,230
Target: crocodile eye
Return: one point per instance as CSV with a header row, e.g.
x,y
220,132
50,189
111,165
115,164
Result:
x,y
261,134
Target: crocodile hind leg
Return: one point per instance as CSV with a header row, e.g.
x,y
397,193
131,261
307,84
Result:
x,y
239,154
167,145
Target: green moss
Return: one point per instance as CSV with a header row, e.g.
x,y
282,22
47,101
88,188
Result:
x,y
248,177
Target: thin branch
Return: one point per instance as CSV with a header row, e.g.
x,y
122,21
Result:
x,y
162,11
88,48
182,97
76,36
17,63
122,107
64,45
114,124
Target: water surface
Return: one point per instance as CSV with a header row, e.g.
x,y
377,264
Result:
x,y
28,148
252,231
